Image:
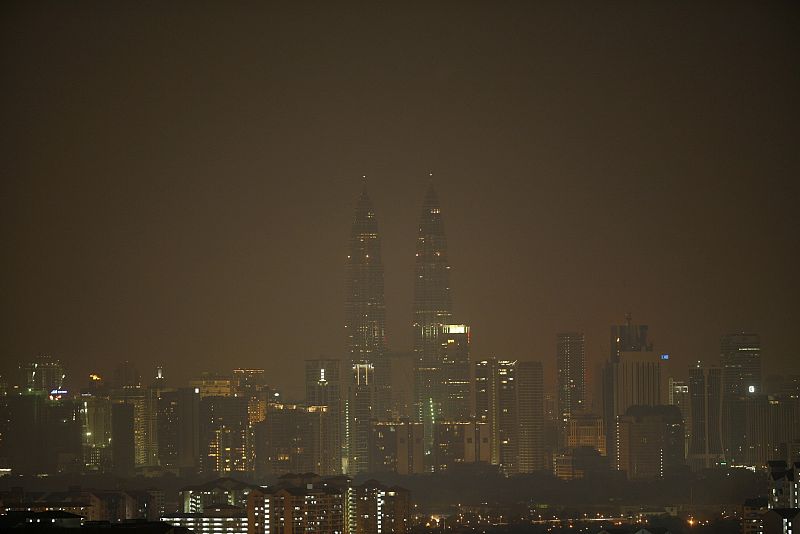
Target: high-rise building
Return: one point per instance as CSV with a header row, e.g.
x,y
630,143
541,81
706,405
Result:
x,y
432,310
223,434
396,447
784,484
216,519
301,504
650,442
705,393
123,440
145,403
44,373
189,459
358,414
126,375
455,376
570,383
740,358
365,308
402,384
631,377
587,430
772,424
678,392
324,388
753,511
295,439
629,337
530,417
458,443
380,509
44,434
95,415
167,419
509,398
213,385
486,402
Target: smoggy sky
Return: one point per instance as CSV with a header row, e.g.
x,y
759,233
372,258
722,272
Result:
x,y
179,179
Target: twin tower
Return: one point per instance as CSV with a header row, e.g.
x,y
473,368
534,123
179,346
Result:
x,y
365,307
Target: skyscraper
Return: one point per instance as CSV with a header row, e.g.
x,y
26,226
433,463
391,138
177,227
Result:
x,y
629,337
678,392
740,357
650,442
432,310
358,414
530,417
324,389
509,397
571,387
631,377
456,385
365,309
705,393
44,373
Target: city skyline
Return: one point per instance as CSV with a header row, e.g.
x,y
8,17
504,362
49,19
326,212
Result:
x,y
187,200
365,221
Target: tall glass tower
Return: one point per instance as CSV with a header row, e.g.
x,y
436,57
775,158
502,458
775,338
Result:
x,y
432,310
365,329
740,356
365,309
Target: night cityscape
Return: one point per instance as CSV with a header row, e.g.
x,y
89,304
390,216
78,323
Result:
x,y
400,268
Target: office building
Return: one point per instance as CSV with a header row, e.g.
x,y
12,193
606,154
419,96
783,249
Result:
x,y
44,373
188,438
96,432
212,385
740,358
631,377
358,414
397,447
455,375
123,440
629,337
323,384
296,439
509,398
772,425
459,443
650,442
579,462
586,430
705,393
570,378
145,406
126,375
365,308
432,310
223,434
168,422
678,392
530,417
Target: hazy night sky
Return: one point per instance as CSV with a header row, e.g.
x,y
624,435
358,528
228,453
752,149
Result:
x,y
178,179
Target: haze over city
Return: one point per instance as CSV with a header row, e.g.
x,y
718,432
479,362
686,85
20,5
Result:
x,y
179,185
400,267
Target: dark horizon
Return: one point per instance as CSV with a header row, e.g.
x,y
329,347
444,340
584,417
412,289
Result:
x,y
180,184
